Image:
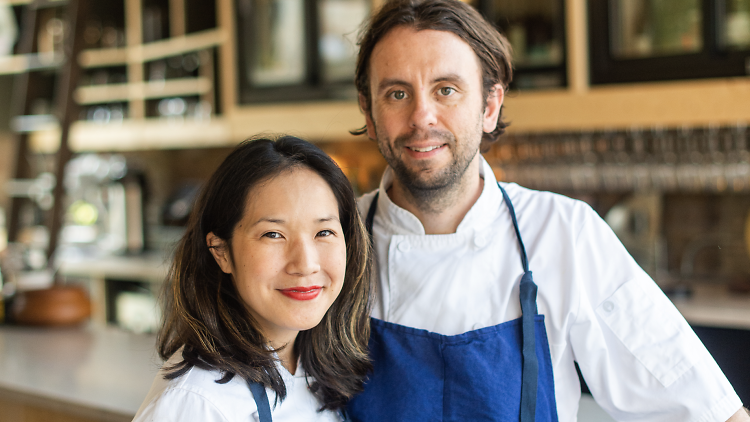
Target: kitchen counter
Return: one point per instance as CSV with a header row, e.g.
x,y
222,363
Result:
x,y
92,372
714,305
98,374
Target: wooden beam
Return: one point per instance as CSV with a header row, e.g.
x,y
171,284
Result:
x,y
225,15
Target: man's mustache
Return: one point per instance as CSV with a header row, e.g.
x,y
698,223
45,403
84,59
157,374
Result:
x,y
423,135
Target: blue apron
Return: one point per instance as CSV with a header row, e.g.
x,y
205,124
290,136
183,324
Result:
x,y
264,407
499,373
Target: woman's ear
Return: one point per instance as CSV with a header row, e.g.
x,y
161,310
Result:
x,y
220,251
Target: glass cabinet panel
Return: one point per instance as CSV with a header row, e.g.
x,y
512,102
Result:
x,y
660,40
535,29
279,56
736,24
339,22
293,50
643,28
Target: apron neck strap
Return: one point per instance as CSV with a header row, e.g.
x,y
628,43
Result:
x,y
261,401
528,293
524,259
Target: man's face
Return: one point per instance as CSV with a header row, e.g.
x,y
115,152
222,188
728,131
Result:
x,y
427,109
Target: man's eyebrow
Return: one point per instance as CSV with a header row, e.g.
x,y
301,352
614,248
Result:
x,y
452,77
387,83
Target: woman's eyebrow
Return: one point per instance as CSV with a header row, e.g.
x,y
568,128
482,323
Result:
x,y
269,220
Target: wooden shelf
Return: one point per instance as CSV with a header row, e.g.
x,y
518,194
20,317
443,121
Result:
x,y
103,57
153,51
667,104
137,135
318,122
177,45
99,94
21,63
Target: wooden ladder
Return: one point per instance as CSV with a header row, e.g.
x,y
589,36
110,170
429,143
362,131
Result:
x,y
67,110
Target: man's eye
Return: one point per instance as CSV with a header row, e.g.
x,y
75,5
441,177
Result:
x,y
398,95
446,90
272,235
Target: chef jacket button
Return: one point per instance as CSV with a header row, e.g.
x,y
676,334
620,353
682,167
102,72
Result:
x,y
481,240
404,246
608,306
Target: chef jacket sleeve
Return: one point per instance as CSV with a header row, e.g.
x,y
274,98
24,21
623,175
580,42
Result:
x,y
638,355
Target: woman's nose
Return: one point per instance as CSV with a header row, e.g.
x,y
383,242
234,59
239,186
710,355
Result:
x,y
303,258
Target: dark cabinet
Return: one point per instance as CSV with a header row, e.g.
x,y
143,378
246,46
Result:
x,y
655,40
536,30
297,49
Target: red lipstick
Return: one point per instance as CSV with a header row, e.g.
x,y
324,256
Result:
x,y
302,293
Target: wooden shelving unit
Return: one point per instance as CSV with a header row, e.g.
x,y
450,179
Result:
x,y
577,107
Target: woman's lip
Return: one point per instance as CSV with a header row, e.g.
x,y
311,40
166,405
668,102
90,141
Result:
x,y
302,293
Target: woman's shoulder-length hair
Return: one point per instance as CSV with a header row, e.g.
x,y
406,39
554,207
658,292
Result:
x,y
204,313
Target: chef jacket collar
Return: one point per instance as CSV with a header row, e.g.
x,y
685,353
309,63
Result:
x,y
481,214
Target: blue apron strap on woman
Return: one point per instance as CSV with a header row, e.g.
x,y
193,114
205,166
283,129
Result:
x,y
530,370
371,215
261,401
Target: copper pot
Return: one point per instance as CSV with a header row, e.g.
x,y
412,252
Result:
x,y
58,305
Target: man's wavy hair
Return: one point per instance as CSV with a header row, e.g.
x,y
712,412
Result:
x,y
205,315
492,49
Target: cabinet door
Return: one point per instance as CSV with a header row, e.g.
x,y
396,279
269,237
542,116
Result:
x,y
536,30
293,50
653,40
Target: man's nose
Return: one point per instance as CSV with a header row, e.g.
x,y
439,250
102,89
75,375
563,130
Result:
x,y
423,113
303,258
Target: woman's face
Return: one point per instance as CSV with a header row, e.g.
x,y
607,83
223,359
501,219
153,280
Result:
x,y
289,253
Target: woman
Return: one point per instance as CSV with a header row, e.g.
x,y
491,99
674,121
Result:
x,y
269,288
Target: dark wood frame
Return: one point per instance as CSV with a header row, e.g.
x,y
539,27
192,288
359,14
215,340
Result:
x,y
486,8
714,61
314,87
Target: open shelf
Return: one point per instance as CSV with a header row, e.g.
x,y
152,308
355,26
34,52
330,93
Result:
x,y
21,63
178,45
103,57
136,135
99,94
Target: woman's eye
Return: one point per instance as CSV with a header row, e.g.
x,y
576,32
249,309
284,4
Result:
x,y
446,90
325,233
272,235
398,95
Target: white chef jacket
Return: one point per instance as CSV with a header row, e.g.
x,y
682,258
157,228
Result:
x,y
638,355
196,397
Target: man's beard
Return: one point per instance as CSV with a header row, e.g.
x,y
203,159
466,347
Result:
x,y
430,188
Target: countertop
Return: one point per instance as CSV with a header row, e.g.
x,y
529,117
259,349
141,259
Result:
x,y
715,305
106,371
711,304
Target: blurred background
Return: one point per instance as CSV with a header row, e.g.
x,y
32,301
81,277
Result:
x,y
115,112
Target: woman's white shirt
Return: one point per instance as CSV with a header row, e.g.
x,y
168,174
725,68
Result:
x,y
197,397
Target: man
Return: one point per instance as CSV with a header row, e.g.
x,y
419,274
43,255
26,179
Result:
x,y
462,331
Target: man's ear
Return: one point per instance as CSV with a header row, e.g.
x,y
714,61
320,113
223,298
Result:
x,y
220,251
492,110
365,107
